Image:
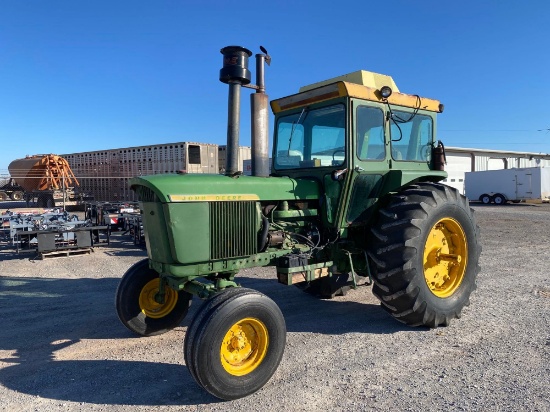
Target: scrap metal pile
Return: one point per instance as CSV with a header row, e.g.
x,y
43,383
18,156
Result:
x,y
51,232
121,216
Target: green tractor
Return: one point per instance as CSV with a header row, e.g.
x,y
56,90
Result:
x,y
351,197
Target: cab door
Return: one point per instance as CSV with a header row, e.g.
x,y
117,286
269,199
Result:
x,y
369,159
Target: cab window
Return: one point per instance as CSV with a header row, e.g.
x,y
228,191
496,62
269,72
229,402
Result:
x,y
411,136
311,138
370,133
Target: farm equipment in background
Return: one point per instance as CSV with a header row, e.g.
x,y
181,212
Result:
x,y
116,215
352,196
47,180
11,190
52,232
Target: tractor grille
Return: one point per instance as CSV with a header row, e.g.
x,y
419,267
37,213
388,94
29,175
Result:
x,y
145,194
233,229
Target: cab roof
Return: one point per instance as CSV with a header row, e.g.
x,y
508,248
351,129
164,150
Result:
x,y
361,84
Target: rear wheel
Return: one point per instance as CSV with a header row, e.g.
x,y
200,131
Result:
x,y
235,343
137,307
3,196
485,199
426,252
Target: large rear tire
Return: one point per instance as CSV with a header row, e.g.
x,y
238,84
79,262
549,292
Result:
x,y
137,308
425,247
235,343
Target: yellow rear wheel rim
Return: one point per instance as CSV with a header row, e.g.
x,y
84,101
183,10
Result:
x,y
150,307
244,346
445,257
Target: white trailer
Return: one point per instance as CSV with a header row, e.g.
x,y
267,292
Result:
x,y
514,185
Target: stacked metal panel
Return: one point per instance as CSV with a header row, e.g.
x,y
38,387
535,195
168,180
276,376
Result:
x,y
105,174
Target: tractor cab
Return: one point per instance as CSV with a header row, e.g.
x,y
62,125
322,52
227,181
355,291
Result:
x,y
359,137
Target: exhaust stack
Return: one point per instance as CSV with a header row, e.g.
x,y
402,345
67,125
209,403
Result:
x,y
260,117
235,73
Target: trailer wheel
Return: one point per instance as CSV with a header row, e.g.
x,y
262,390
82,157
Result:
x,y
426,252
137,308
485,199
499,199
3,196
235,343
17,196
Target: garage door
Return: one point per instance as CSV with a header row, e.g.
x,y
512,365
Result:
x,y
457,165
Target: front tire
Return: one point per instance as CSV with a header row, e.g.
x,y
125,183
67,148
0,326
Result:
x,y
426,252
137,308
235,343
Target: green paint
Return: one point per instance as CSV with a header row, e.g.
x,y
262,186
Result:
x,y
199,225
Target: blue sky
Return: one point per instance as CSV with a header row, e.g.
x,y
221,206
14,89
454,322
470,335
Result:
x,y
82,76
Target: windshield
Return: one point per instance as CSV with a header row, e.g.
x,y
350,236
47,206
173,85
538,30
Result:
x,y
311,138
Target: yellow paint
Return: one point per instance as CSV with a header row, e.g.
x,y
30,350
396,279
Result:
x,y
445,257
150,307
353,90
213,198
361,77
244,346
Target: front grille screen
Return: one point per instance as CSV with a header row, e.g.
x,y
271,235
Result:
x,y
145,194
233,229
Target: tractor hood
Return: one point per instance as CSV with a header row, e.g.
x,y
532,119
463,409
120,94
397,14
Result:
x,y
219,188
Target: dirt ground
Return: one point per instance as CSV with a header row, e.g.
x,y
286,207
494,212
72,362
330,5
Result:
x,y
62,347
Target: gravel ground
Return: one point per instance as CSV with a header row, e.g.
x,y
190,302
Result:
x,y
62,347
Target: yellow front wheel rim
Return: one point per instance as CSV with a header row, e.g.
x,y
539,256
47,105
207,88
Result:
x,y
150,307
244,346
445,257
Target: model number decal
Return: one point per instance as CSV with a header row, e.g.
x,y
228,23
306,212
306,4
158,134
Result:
x,y
212,198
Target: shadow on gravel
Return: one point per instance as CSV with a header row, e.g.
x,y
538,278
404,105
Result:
x,y
126,252
508,204
120,245
9,254
42,316
306,313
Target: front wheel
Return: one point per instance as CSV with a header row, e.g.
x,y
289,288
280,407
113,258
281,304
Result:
x,y
425,247
138,308
235,343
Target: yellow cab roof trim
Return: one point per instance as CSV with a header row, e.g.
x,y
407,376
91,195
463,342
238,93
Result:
x,y
359,91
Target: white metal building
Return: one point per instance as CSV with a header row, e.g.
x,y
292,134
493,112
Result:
x,y
461,160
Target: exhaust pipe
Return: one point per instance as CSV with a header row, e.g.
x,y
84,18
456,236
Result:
x,y
235,73
260,118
